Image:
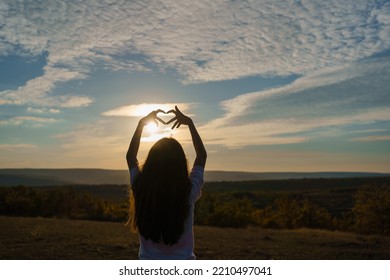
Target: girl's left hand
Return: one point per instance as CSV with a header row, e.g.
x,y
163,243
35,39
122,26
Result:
x,y
179,118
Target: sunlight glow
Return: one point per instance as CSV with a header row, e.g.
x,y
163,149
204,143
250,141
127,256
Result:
x,y
155,133
152,128
153,137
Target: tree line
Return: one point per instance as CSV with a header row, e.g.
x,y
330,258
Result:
x,y
370,212
60,202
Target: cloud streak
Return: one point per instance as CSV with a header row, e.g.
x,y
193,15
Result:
x,y
371,138
28,121
141,110
16,147
42,110
352,95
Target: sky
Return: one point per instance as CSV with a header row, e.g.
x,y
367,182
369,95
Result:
x,y
271,85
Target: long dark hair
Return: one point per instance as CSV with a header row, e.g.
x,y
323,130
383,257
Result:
x,y
161,193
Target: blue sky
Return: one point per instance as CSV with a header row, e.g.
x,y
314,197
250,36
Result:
x,y
271,85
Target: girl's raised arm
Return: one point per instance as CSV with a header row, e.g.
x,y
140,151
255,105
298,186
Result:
x,y
201,154
131,155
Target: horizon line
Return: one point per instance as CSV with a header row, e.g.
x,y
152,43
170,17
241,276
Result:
x,y
206,170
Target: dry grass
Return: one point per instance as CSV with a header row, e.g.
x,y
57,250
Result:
x,y
36,238
303,244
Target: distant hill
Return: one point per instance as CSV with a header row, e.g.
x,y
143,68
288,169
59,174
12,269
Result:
x,y
50,177
54,177
217,176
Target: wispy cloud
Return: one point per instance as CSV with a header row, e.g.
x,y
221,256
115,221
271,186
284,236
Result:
x,y
28,121
42,110
73,101
12,147
141,110
371,138
355,94
202,40
36,91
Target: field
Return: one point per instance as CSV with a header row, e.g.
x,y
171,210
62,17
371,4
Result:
x,y
53,239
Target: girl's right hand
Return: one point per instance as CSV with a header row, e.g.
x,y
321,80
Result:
x,y
152,117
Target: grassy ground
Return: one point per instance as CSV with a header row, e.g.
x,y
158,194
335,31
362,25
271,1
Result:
x,y
36,238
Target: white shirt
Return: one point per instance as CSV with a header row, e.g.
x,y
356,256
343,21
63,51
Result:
x,y
184,248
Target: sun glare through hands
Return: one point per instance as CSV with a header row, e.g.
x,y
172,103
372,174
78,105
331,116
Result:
x,y
155,133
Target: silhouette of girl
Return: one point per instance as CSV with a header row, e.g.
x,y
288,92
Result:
x,y
164,192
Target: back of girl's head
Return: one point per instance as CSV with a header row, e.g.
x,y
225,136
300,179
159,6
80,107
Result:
x,y
166,157
161,193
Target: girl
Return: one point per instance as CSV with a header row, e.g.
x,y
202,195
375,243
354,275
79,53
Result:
x,y
164,193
